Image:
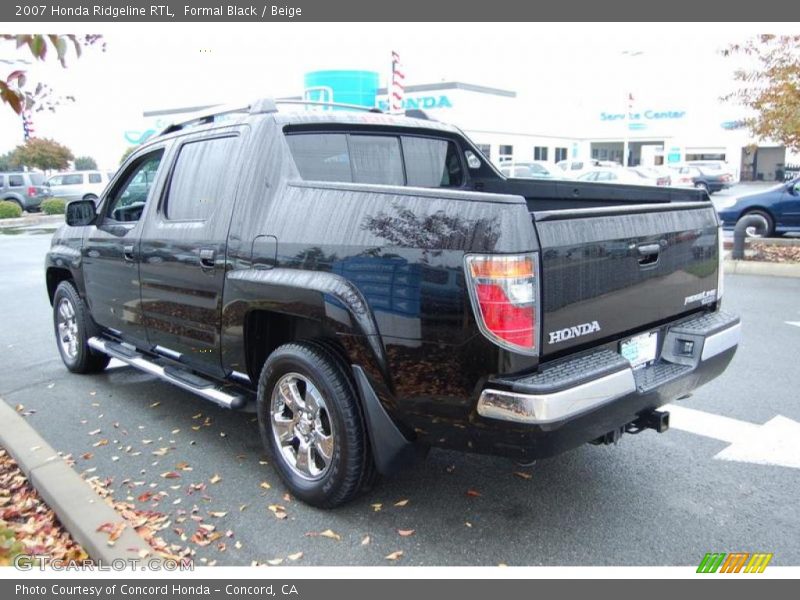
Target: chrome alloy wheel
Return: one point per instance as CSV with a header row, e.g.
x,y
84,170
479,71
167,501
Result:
x,y
301,426
67,328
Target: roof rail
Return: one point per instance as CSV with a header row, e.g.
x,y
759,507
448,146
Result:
x,y
258,107
372,109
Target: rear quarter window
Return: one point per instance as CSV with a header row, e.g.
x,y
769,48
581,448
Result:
x,y
95,178
15,181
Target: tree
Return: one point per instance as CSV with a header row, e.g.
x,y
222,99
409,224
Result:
x,y
127,153
14,90
43,153
85,163
8,162
770,87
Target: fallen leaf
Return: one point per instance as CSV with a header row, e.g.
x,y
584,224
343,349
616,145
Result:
x,y
99,443
473,493
264,485
406,532
170,475
218,513
376,507
278,510
394,555
401,502
154,404
275,561
95,432
160,452
238,545
523,475
295,556
215,479
87,455
328,533
243,507
366,540
468,524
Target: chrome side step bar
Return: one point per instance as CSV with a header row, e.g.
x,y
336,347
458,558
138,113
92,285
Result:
x,y
192,383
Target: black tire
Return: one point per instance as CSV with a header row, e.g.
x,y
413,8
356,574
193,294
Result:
x,y
702,186
81,328
767,228
349,468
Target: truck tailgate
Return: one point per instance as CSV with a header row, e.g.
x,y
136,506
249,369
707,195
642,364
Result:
x,y
608,272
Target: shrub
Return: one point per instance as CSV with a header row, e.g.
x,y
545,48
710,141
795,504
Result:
x,y
53,206
9,210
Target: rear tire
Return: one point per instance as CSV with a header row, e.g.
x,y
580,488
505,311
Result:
x,y
73,327
312,426
702,186
765,229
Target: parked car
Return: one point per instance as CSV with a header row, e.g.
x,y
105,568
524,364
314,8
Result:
x,y
531,170
26,188
690,176
629,176
716,167
573,167
776,210
373,287
79,185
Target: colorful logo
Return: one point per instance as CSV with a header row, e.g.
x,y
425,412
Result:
x,y
735,562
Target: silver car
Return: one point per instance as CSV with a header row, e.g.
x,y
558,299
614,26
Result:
x,y
27,189
79,185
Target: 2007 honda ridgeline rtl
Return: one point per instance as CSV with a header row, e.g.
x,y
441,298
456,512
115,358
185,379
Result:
x,y
376,287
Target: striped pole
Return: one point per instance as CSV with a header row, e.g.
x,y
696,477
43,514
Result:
x,y
397,86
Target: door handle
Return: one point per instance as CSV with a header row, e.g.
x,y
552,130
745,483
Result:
x,y
648,254
207,258
127,252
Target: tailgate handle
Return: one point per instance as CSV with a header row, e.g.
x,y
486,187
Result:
x,y
648,254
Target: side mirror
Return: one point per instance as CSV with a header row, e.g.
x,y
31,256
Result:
x,y
80,213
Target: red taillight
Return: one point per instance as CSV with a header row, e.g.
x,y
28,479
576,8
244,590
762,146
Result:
x,y
31,191
504,295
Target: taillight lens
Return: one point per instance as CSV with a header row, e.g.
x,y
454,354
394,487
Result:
x,y
504,293
31,191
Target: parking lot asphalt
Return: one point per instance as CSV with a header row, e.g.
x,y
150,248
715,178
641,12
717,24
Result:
x,y
655,499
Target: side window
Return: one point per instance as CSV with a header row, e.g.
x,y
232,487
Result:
x,y
432,162
94,178
57,180
199,180
15,181
376,159
321,156
2,181
128,199
74,179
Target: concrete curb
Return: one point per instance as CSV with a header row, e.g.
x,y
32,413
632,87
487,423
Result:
x,y
32,220
76,504
754,267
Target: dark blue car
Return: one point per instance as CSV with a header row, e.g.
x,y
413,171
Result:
x,y
778,209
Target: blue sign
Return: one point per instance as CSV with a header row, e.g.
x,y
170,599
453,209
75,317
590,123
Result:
x,y
421,102
647,115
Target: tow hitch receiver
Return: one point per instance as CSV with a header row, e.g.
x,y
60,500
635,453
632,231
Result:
x,y
657,420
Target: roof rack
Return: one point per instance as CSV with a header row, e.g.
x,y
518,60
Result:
x,y
260,106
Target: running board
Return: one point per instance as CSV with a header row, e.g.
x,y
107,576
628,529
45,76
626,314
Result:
x,y
174,375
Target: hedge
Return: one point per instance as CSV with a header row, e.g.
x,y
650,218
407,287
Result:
x,y
9,210
54,206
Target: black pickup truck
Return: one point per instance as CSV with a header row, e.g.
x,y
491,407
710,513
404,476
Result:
x,y
372,286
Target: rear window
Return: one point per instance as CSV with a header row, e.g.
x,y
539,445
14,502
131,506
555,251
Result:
x,y
94,178
378,159
36,178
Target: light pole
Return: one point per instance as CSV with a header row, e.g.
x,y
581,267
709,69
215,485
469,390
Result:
x,y
628,107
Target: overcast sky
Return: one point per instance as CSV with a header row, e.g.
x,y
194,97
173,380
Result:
x,y
556,68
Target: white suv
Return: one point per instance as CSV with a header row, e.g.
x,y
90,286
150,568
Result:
x,y
79,185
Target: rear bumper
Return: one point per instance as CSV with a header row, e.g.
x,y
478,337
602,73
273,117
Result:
x,y
583,398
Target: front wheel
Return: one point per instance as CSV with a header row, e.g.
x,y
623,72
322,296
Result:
x,y
760,224
312,426
700,185
73,327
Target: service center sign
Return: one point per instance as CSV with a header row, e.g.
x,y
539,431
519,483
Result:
x,y
638,120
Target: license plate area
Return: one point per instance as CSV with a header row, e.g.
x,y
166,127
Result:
x,y
640,350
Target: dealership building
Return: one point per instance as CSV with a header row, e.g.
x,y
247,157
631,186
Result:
x,y
506,126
